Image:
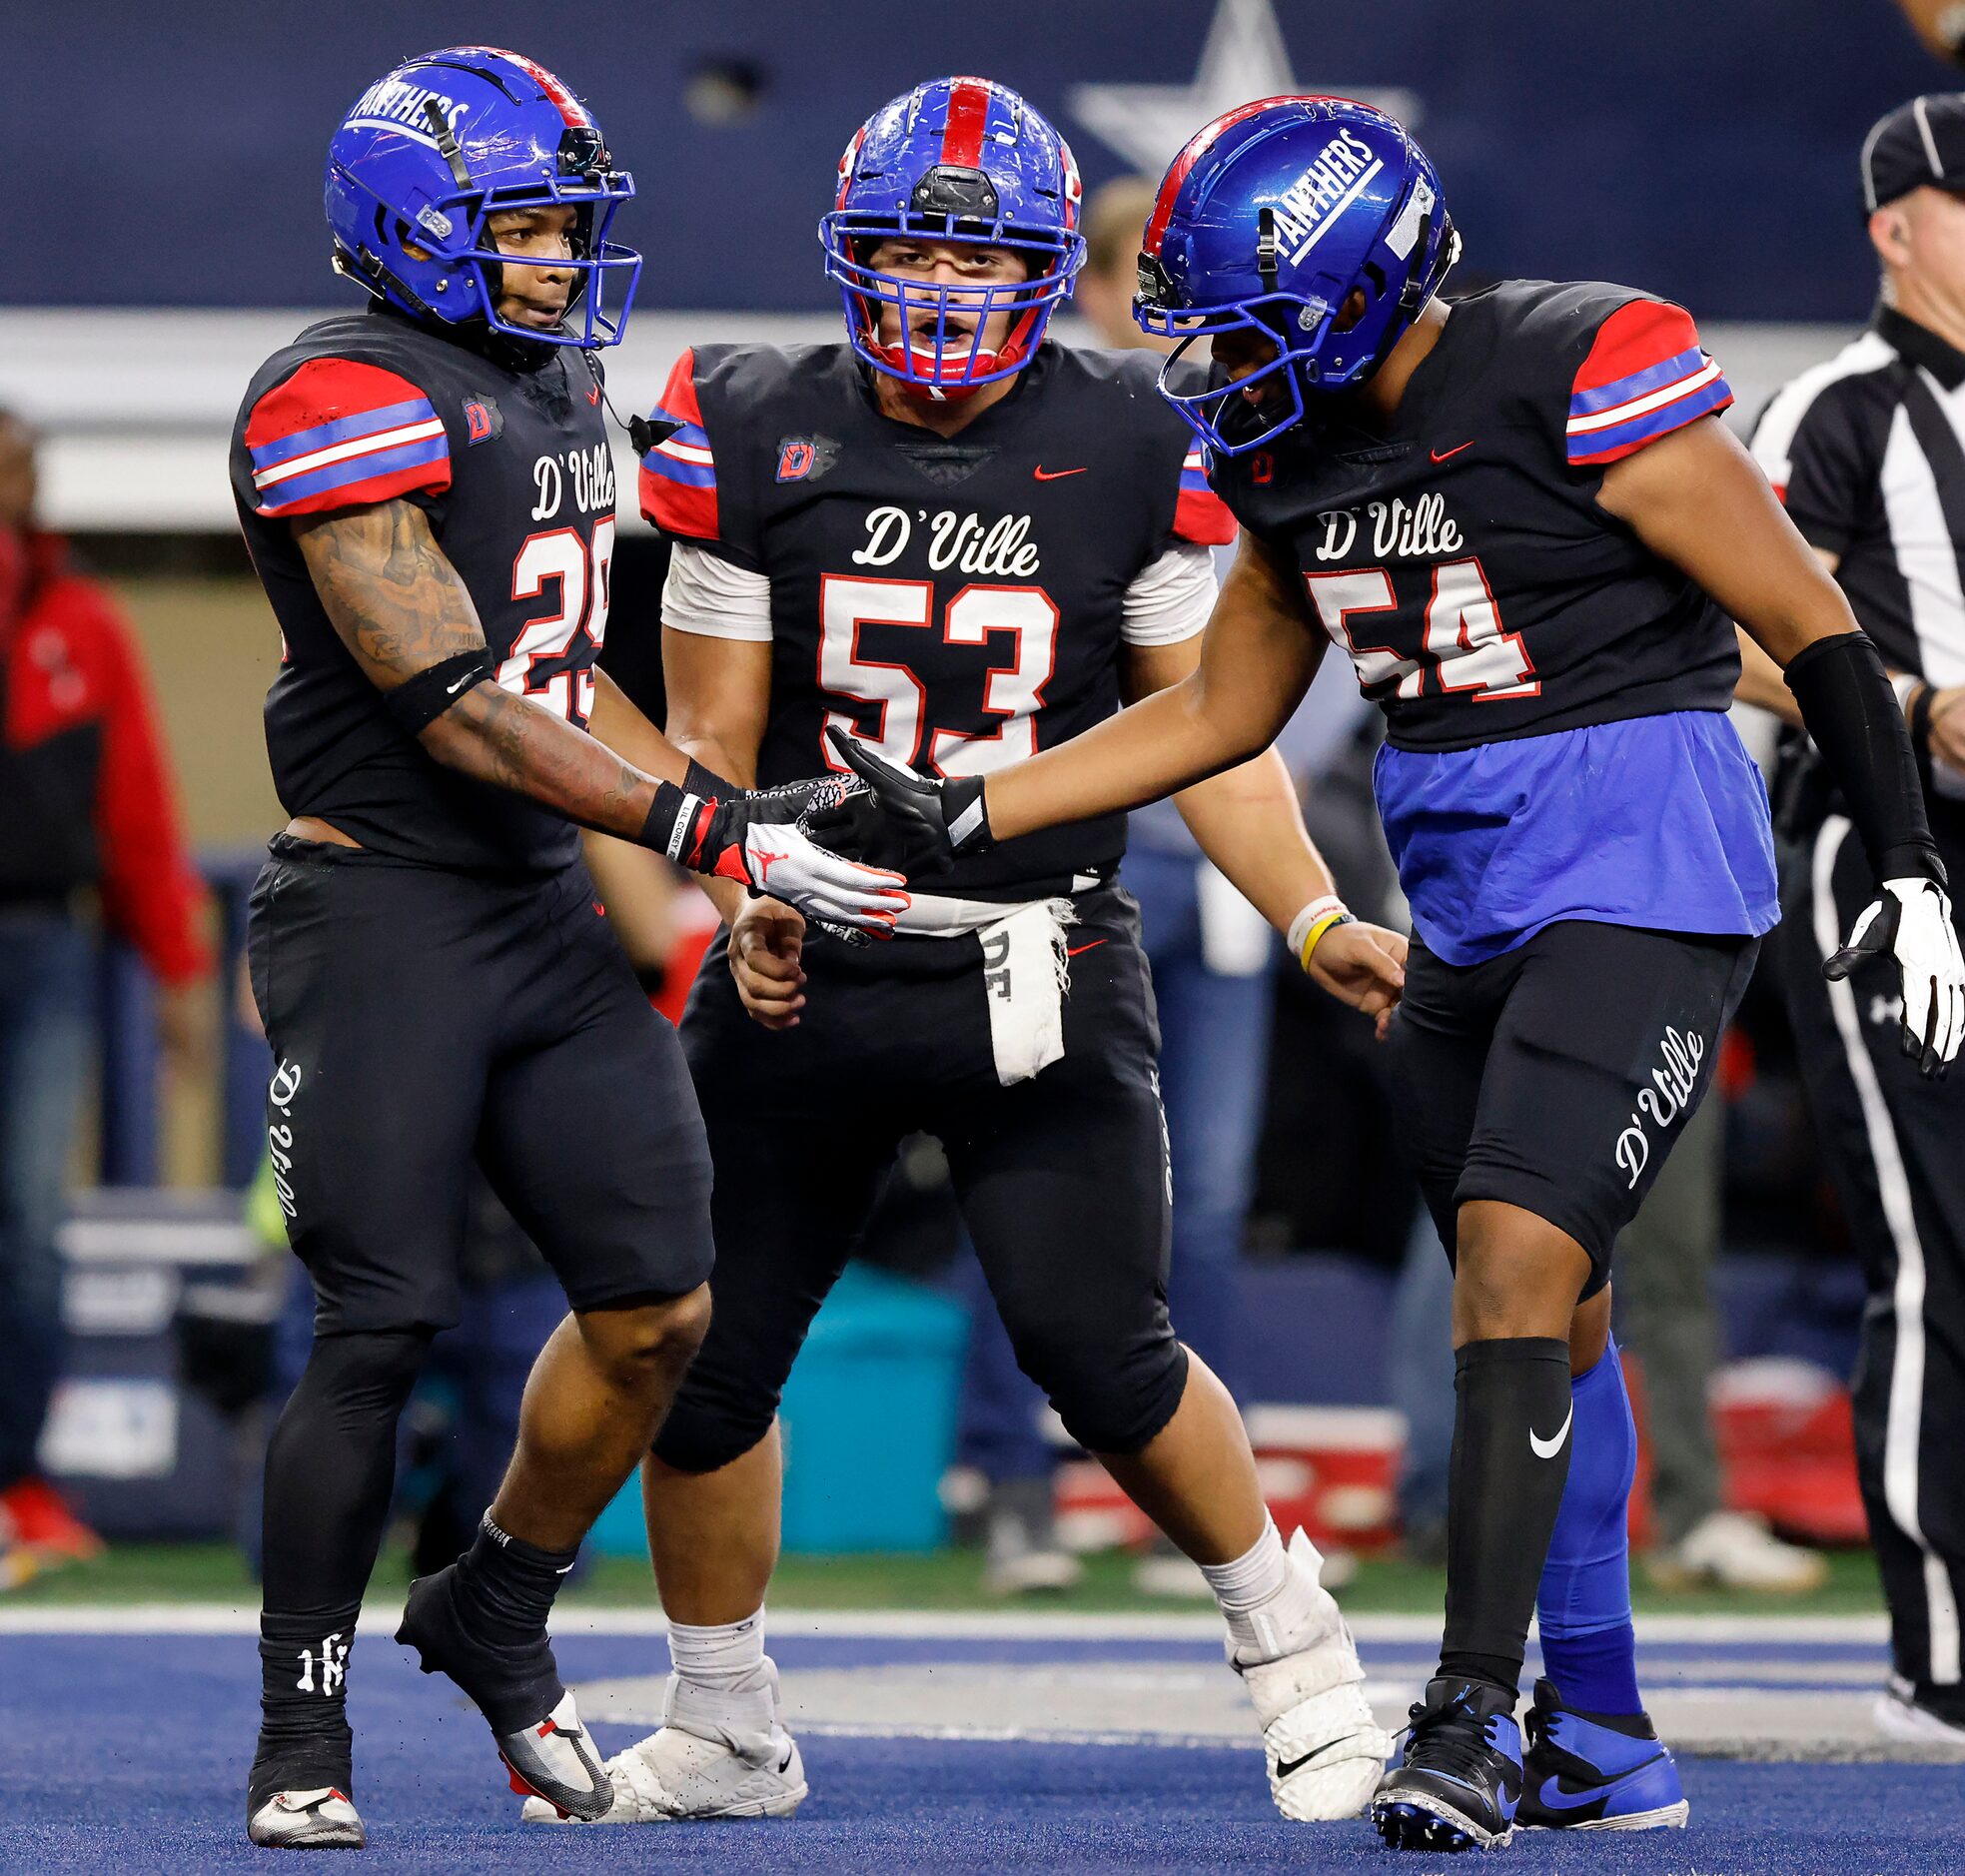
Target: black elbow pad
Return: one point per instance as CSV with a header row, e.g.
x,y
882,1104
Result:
x,y
419,703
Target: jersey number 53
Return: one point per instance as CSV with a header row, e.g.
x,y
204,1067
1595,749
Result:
x,y
1013,690
1460,643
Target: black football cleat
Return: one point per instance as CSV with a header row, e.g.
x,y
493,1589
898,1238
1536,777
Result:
x,y
1595,1771
531,1715
1459,1780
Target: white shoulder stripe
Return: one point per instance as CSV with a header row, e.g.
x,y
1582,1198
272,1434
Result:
x,y
1774,435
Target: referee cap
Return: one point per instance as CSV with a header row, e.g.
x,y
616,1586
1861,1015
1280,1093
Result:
x,y
1919,142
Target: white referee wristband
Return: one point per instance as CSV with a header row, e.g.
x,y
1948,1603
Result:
x,y
1329,910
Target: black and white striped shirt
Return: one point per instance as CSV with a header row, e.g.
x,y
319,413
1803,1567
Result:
x,y
1869,452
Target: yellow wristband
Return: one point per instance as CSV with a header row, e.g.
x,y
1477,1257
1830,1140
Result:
x,y
1317,931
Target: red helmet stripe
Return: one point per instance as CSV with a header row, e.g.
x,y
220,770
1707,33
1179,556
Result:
x,y
968,112
569,106
1197,147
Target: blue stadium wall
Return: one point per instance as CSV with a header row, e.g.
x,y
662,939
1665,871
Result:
x,y
1703,151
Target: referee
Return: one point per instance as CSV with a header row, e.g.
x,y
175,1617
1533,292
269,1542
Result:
x,y
1868,453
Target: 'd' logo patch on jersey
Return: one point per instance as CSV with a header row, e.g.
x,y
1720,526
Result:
x,y
483,420
805,459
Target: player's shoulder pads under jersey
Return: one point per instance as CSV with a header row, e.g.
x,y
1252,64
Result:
x,y
1612,366
696,482
1133,421
343,415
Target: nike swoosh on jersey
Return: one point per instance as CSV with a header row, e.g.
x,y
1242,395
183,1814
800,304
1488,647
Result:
x,y
1440,455
1071,950
1548,1448
1043,475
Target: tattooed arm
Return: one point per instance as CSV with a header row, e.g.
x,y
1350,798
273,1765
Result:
x,y
403,612
401,609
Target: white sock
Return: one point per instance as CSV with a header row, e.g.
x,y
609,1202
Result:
x,y
1254,1577
1271,1608
724,1688
720,1657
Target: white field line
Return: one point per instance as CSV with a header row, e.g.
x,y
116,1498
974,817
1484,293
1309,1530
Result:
x,y
223,1618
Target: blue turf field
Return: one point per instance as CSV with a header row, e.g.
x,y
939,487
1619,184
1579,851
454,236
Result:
x,y
127,1753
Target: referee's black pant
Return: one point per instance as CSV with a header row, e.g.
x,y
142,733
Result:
x,y
1896,1146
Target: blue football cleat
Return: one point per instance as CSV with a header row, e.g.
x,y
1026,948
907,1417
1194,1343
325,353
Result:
x,y
1457,1783
1589,1772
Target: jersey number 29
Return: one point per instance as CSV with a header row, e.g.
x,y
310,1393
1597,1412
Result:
x,y
1461,639
1013,691
541,663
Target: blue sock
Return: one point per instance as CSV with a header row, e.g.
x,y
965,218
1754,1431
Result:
x,y
1582,1607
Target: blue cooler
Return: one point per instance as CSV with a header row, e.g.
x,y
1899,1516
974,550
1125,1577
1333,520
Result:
x,y
868,1420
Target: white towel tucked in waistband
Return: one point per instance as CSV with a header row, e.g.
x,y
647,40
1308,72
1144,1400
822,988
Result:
x,y
1025,971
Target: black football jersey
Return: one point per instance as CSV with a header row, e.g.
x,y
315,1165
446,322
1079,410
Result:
x,y
1458,555
513,469
956,603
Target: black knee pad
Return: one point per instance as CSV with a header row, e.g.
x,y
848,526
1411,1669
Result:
x,y
1113,1393
709,1425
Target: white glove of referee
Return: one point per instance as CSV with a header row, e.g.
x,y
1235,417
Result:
x,y
1912,924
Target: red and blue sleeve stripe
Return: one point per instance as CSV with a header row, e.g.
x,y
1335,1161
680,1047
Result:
x,y
1198,513
1646,375
678,475
338,434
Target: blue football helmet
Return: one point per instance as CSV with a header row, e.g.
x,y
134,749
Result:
x,y
430,151
957,159
1270,219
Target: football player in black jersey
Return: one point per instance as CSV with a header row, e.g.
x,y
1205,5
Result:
x,y
958,543
1524,521
427,493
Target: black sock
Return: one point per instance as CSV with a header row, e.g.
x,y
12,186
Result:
x,y
304,1733
330,1468
504,1586
1503,1493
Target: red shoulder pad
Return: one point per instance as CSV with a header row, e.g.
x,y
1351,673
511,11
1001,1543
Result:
x,y
1646,375
1198,513
338,434
678,475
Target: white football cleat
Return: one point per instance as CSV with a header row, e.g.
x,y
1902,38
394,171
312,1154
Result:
x,y
322,1819
1324,1750
673,1776
719,1754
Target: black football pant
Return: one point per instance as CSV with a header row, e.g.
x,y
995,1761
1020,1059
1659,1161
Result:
x,y
1062,1179
1894,1145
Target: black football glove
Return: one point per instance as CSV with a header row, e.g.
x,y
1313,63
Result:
x,y
924,825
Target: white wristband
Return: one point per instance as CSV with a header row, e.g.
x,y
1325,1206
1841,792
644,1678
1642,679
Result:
x,y
1303,920
1904,684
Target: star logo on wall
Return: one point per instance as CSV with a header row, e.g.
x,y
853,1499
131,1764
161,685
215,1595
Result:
x,y
1243,58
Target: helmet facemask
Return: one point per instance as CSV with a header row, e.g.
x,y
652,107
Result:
x,y
440,260
956,205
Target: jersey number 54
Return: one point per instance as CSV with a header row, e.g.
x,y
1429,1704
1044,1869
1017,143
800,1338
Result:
x,y
1459,641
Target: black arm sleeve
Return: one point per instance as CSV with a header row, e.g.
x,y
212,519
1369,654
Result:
x,y
1853,715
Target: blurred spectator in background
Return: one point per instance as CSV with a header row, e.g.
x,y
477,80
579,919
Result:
x,y
87,802
1212,954
1941,26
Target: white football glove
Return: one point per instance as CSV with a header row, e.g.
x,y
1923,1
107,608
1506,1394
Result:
x,y
761,838
1912,923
